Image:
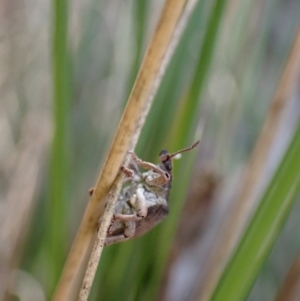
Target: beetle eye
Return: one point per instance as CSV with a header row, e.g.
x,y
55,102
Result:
x,y
164,157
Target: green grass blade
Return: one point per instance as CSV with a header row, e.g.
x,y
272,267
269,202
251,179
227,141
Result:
x,y
58,169
263,229
193,99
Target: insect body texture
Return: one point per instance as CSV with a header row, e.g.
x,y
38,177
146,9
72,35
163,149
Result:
x,y
144,202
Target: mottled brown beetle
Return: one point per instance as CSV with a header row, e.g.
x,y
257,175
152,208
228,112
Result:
x,y
144,202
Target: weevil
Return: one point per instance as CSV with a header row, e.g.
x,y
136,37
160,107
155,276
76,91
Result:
x,y
144,202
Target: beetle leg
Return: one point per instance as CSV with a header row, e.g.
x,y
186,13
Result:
x,y
157,180
140,208
114,239
129,173
140,203
164,176
129,232
147,165
127,217
133,165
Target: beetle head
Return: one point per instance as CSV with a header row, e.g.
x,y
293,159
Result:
x,y
166,158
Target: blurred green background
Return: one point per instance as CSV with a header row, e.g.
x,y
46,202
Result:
x,y
67,68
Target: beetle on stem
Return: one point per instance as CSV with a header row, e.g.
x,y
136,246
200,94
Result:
x,y
143,203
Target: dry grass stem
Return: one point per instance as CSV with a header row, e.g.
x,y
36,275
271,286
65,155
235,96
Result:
x,y
253,171
126,137
189,8
99,243
100,240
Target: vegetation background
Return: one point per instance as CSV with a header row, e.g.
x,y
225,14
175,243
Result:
x,y
67,68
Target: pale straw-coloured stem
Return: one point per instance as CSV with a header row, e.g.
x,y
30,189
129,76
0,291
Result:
x,y
100,240
125,139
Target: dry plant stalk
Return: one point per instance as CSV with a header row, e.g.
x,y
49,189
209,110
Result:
x,y
256,164
101,236
126,137
100,240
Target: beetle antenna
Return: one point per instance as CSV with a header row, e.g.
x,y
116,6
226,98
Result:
x,y
185,149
